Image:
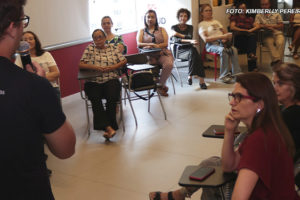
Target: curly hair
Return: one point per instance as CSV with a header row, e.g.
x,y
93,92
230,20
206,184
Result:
x,y
183,10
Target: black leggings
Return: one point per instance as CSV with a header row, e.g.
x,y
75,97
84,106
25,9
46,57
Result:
x,y
110,91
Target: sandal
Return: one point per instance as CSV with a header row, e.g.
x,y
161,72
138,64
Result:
x,y
106,135
165,88
110,132
157,196
290,48
162,92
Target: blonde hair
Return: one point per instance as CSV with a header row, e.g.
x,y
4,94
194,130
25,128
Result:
x,y
201,9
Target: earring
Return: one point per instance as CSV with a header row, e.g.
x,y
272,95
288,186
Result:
x,y
258,110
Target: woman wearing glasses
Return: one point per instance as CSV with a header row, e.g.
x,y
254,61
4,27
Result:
x,y
105,58
43,58
153,36
107,23
218,41
264,158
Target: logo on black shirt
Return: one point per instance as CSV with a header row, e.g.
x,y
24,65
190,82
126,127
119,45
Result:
x,y
2,92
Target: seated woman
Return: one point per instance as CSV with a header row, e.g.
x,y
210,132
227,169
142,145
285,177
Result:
x,y
244,36
295,22
106,59
286,81
153,36
217,41
265,155
43,58
106,23
254,103
183,33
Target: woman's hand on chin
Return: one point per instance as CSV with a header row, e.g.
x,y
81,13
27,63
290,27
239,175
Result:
x,y
231,123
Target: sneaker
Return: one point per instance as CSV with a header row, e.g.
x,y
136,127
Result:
x,y
203,86
234,75
227,78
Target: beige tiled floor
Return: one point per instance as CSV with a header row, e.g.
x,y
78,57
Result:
x,y
148,158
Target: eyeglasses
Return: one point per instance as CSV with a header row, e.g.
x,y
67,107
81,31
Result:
x,y
25,21
238,97
98,37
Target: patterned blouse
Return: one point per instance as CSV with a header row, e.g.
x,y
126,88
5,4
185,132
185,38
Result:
x,y
117,40
102,57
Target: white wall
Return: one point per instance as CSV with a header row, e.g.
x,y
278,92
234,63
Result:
x,y
58,21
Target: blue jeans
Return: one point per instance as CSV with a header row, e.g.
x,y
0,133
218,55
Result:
x,y
224,59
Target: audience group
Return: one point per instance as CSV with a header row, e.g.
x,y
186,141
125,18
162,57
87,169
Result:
x,y
268,149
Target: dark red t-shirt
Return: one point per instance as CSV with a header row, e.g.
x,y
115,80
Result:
x,y
267,156
242,22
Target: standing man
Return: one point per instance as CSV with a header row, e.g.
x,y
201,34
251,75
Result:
x,y
29,110
272,36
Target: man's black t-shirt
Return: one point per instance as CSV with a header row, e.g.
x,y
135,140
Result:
x,y
29,108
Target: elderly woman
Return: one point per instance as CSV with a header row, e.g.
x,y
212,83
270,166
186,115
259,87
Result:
x,y
106,59
286,81
153,36
107,24
263,157
43,58
183,33
218,41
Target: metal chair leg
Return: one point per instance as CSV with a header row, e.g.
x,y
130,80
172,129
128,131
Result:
x,y
172,76
162,106
178,74
87,117
121,116
121,110
216,61
148,100
222,193
129,100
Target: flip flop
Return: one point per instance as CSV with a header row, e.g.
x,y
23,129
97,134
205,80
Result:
x,y
157,196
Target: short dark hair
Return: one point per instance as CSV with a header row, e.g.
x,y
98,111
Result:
x,y
289,72
38,46
184,10
145,20
260,86
10,11
96,30
108,18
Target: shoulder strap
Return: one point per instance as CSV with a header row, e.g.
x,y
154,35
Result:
x,y
151,34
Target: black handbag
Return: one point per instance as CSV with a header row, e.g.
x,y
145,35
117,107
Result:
x,y
141,81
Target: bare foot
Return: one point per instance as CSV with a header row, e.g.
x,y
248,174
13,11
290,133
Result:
x,y
164,195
